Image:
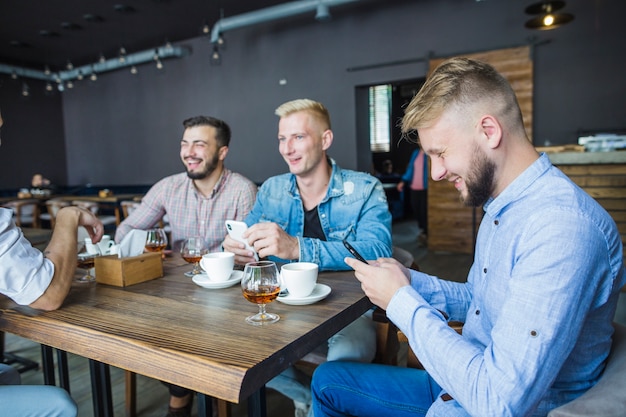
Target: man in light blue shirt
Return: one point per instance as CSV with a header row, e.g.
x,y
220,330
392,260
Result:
x,y
304,216
540,296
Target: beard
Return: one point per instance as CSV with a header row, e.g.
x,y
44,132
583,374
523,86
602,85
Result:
x,y
208,170
479,181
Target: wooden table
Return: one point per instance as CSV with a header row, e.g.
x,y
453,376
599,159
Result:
x,y
173,330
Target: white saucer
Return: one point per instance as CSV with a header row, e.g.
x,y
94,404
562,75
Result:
x,y
320,292
204,281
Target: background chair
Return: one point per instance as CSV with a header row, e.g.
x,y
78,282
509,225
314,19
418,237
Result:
x,y
25,212
94,207
608,397
128,206
52,207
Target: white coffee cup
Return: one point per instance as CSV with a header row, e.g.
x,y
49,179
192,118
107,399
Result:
x,y
91,248
299,278
104,244
218,265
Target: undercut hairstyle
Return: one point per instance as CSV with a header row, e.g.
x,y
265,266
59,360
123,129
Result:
x,y
464,83
314,108
222,130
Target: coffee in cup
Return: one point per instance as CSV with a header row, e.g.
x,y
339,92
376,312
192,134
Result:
x,y
218,265
299,278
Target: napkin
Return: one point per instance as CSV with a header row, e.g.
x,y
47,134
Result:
x,y
133,243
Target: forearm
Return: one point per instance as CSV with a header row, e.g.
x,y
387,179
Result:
x,y
62,251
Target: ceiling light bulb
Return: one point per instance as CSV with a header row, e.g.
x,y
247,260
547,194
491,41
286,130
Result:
x,y
79,76
159,64
133,70
25,90
122,57
70,84
69,66
102,59
48,86
46,70
93,76
548,20
206,30
156,55
14,75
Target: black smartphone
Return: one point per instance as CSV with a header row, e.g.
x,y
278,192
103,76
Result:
x,y
353,251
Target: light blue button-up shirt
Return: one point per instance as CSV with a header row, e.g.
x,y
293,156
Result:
x,y
537,306
354,208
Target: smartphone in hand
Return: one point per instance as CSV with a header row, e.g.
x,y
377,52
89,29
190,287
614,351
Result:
x,y
353,251
235,230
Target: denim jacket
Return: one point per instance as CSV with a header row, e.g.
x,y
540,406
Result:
x,y
354,208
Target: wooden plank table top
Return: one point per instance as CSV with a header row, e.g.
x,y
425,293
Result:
x,y
173,330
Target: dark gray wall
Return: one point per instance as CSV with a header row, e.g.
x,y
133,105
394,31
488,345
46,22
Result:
x,y
125,129
32,135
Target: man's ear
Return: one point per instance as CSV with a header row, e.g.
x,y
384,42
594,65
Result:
x,y
327,139
223,151
491,130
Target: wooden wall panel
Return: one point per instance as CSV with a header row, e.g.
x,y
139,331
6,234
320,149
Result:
x,y
452,226
607,184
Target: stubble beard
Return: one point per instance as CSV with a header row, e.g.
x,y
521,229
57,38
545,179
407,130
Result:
x,y
208,170
480,181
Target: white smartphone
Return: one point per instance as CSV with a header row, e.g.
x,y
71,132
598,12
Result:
x,y
235,230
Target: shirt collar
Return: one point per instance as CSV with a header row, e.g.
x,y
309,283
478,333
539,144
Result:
x,y
515,189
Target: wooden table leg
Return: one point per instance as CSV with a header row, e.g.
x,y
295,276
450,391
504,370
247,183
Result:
x,y
131,393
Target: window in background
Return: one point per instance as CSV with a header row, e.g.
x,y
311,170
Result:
x,y
380,114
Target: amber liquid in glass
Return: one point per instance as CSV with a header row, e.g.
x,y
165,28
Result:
x,y
85,263
192,259
155,248
264,295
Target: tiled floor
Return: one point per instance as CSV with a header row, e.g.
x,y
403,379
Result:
x,y
152,395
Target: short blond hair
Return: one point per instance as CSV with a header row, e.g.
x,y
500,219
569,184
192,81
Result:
x,y
462,82
312,107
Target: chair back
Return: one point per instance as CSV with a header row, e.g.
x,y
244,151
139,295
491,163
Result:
x,y
25,212
128,206
53,206
92,206
608,397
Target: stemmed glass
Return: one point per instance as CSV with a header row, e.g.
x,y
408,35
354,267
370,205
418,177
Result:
x,y
156,240
260,285
192,250
85,261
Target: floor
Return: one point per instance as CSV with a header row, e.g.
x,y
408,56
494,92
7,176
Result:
x,y
152,395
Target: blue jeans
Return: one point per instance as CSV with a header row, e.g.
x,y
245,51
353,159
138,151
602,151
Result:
x,y
358,389
355,342
32,400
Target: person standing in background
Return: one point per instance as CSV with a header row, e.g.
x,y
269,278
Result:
x,y
416,176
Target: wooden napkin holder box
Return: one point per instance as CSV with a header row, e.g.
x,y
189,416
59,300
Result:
x,y
123,272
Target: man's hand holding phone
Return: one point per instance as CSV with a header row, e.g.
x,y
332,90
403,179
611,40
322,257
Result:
x,y
234,240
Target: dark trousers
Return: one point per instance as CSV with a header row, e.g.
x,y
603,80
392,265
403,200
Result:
x,y
418,206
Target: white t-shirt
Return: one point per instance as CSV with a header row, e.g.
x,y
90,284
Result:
x,y
24,272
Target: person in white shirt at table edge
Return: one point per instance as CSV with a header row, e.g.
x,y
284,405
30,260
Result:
x,y
41,281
